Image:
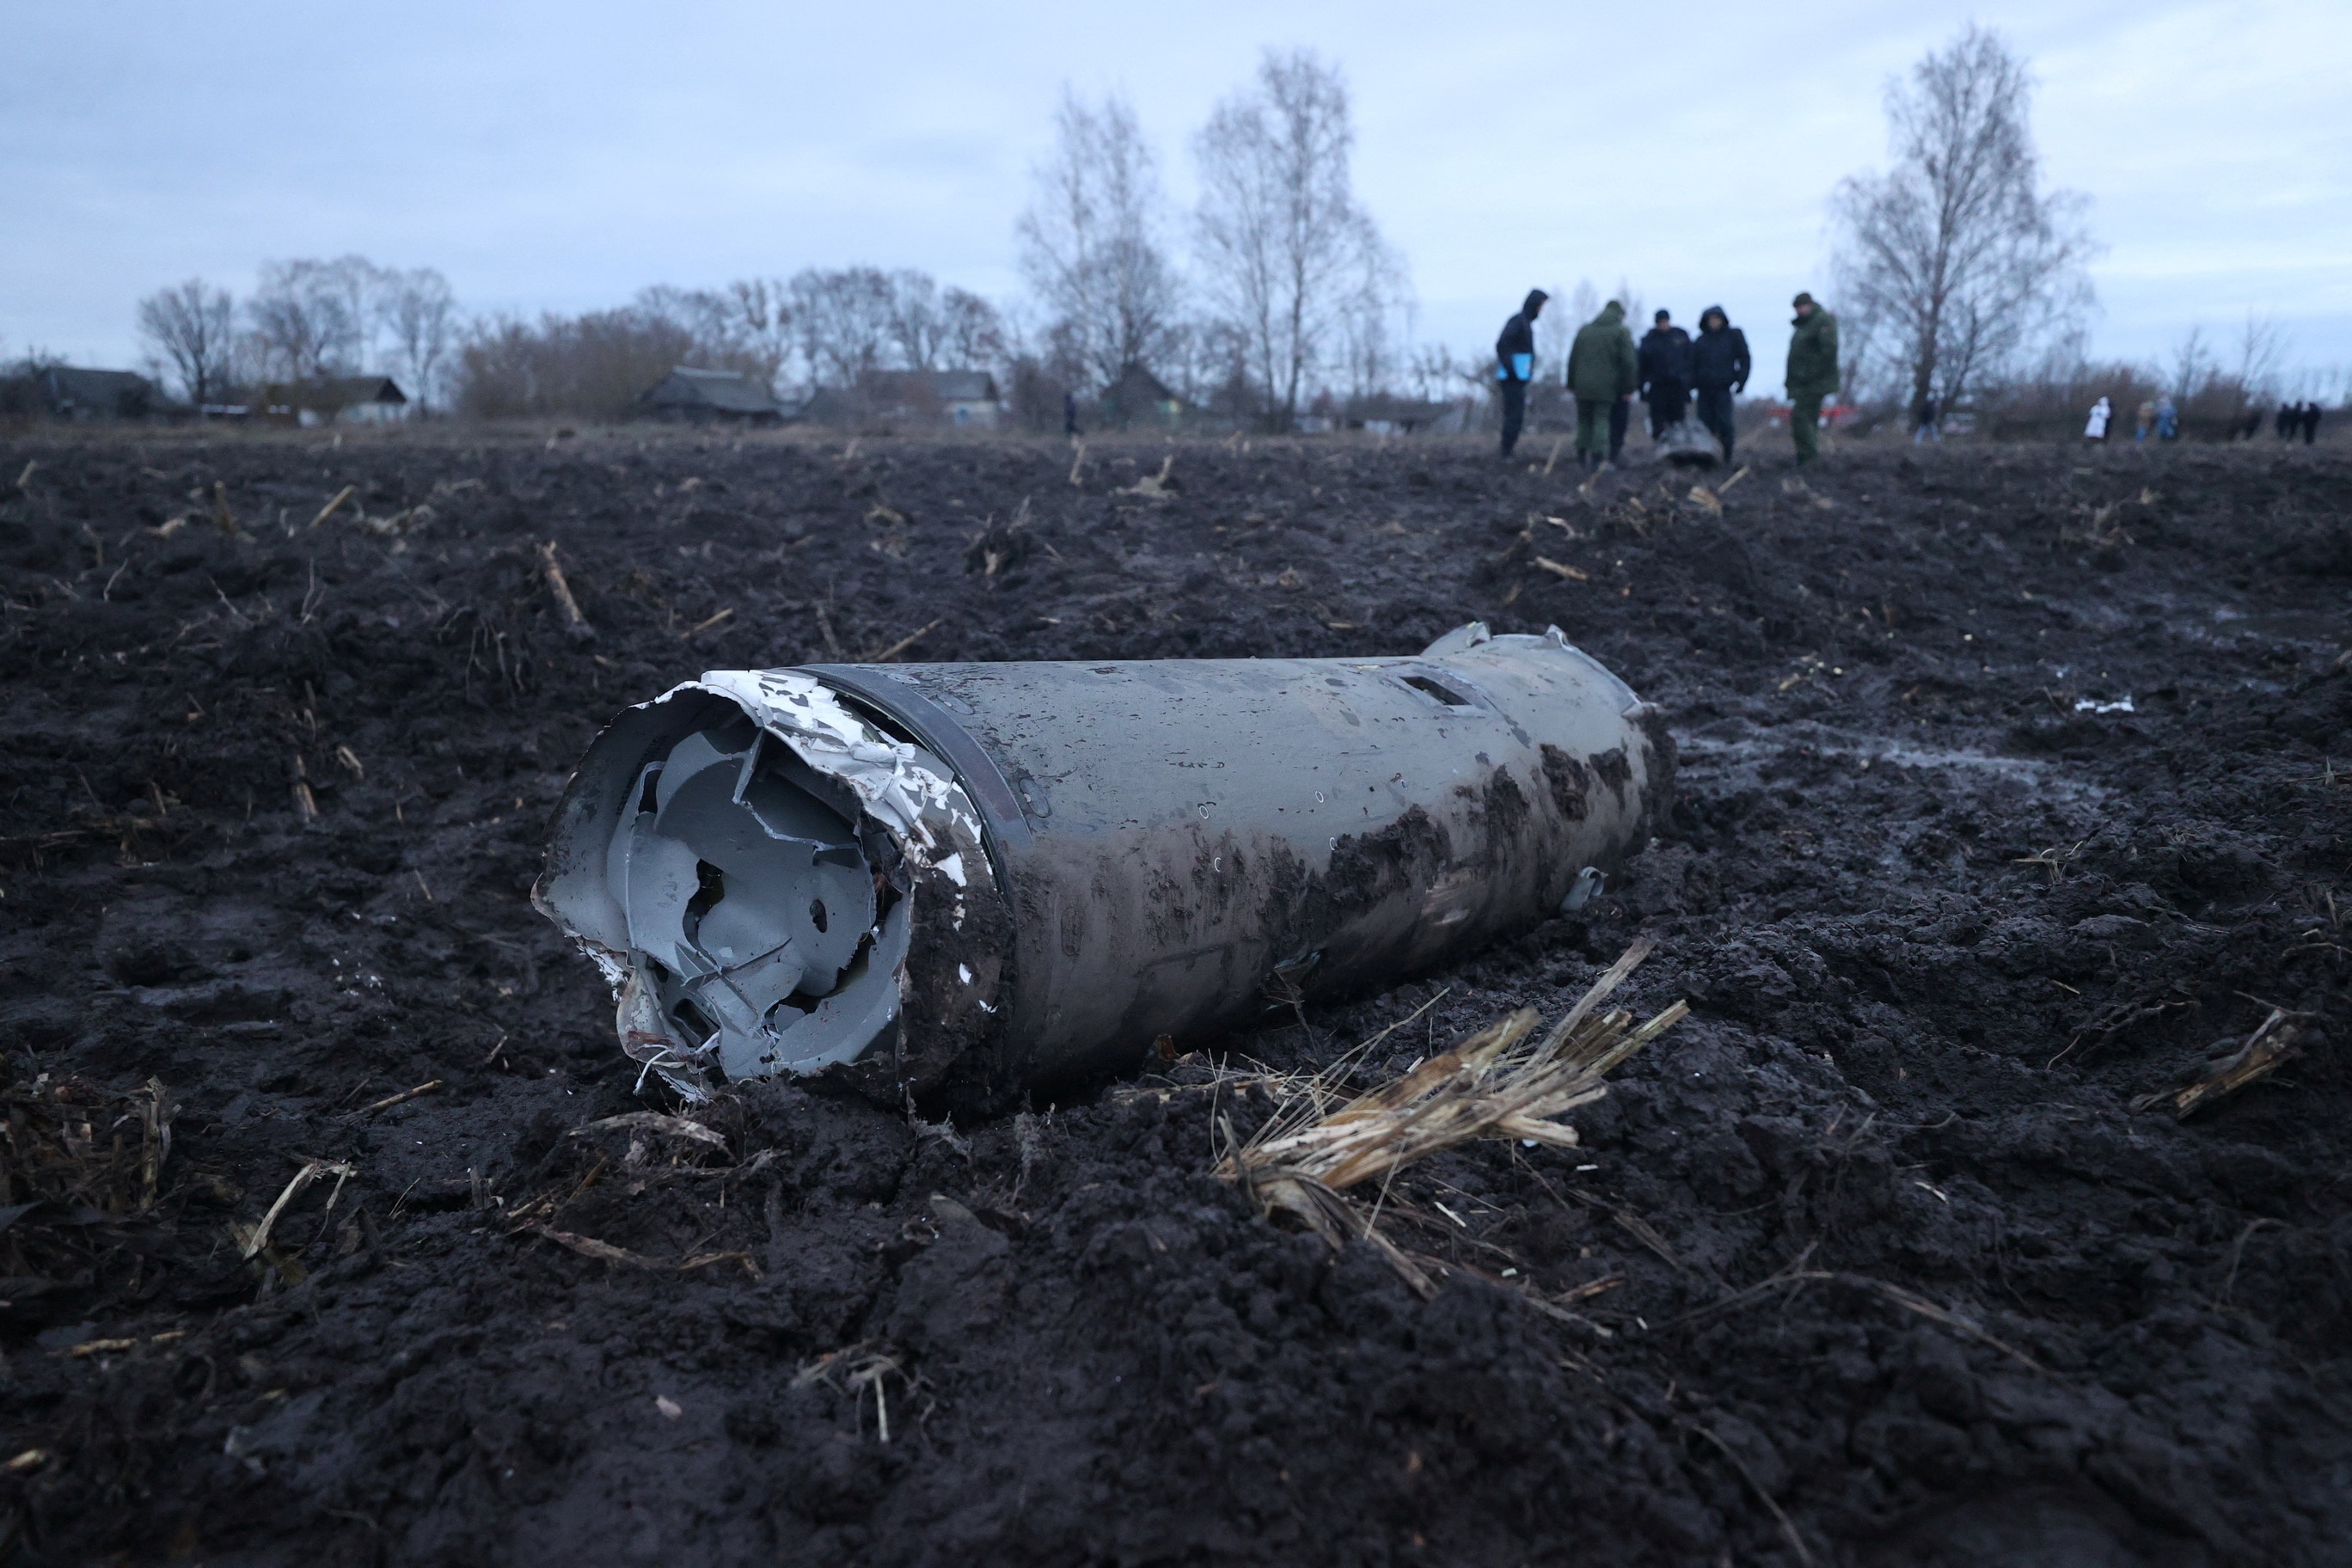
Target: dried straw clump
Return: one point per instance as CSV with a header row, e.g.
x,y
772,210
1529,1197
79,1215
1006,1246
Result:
x,y
1493,1084
78,1164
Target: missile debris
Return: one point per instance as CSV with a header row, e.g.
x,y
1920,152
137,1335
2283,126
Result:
x,y
1687,443
960,879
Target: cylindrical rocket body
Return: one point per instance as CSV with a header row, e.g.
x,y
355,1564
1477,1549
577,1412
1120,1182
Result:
x,y
1176,846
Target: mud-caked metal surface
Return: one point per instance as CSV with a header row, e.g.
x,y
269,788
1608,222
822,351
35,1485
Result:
x,y
1031,871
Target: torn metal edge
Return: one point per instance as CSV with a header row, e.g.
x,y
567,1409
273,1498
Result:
x,y
912,796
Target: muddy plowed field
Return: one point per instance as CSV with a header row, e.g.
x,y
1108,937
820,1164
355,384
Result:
x,y
2016,797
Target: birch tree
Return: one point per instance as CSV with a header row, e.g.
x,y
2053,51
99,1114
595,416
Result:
x,y
1286,257
421,313
1092,243
1957,259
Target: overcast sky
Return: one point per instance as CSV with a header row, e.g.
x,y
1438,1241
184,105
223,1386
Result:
x,y
561,156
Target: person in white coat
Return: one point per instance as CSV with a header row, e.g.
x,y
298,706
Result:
x,y
2101,412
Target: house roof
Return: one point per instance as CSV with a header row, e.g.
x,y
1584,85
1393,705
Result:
x,y
1136,385
328,394
345,390
730,391
95,388
945,385
964,386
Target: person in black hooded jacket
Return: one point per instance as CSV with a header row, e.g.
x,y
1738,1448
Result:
x,y
1514,365
1719,364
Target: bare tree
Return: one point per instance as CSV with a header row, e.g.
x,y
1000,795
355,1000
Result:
x,y
1430,372
704,320
2260,349
1958,257
303,322
367,291
1376,329
422,315
1637,313
918,326
973,334
194,326
845,319
748,326
1287,255
1091,240
763,314
2192,365
593,366
1556,331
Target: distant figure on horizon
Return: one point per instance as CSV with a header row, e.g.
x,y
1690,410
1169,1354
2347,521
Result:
x,y
2146,422
1665,364
1924,427
1719,366
2289,416
1514,365
2168,420
2102,413
1070,414
1603,372
2311,422
1812,373
2252,426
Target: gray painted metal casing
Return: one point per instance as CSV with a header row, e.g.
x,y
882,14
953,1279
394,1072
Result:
x,y
1176,843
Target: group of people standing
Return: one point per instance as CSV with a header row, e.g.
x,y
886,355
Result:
x,y
2292,419
2160,418
1605,372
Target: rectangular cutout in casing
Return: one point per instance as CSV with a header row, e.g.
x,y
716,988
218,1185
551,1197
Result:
x,y
1438,689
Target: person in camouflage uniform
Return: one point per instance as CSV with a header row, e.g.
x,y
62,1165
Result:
x,y
1812,373
1602,372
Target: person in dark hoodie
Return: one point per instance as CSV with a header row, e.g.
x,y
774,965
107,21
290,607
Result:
x,y
1719,365
1664,361
1514,365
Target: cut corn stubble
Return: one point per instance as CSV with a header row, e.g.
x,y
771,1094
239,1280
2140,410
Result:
x,y
1493,1085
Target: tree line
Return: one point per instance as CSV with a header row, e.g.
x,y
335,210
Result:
x,y
1963,276
822,327
305,320
1960,276
1285,290
1287,287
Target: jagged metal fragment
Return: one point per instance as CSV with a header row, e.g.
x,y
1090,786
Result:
x,y
1687,443
737,857
970,878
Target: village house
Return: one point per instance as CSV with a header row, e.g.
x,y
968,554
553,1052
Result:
x,y
691,396
961,397
344,400
65,392
1139,398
